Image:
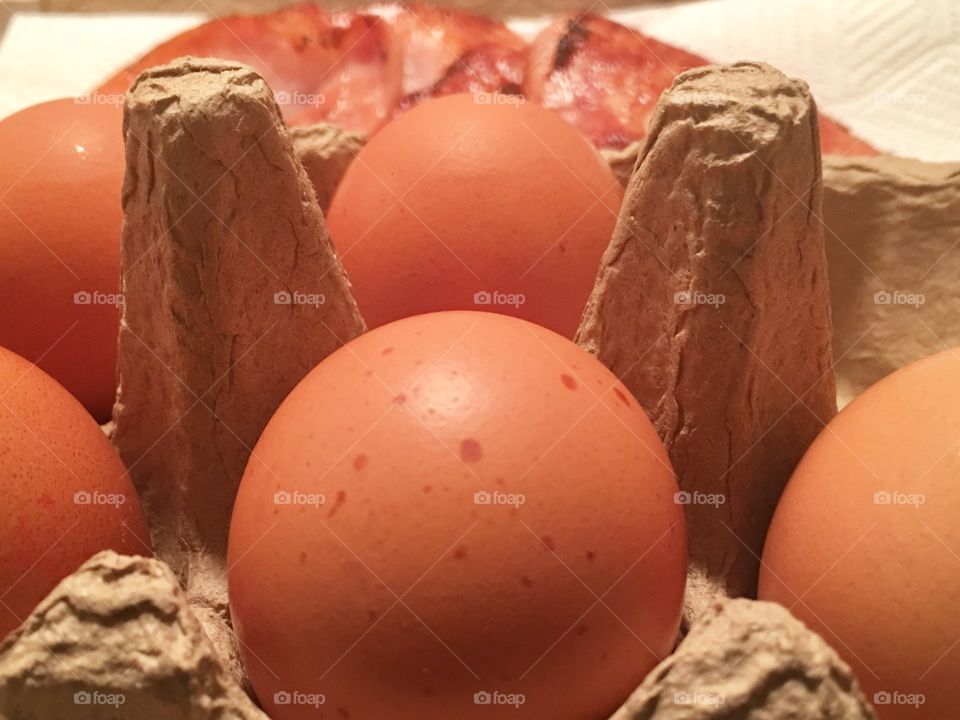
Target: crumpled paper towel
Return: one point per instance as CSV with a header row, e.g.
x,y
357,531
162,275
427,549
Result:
x,y
889,69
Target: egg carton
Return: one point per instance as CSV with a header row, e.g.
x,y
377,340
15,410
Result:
x,y
154,635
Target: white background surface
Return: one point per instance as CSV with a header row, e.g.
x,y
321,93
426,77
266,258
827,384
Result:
x,y
888,69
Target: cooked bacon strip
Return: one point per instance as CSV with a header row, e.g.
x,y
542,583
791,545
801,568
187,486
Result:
x,y
354,68
835,139
605,79
484,69
345,68
357,69
442,43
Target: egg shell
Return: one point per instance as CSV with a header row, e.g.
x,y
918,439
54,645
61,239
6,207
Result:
x,y
456,503
864,546
481,202
60,220
66,494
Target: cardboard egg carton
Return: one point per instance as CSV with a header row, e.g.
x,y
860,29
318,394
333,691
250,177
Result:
x,y
748,219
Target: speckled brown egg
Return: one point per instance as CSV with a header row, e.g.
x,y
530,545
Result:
x,y
457,515
66,494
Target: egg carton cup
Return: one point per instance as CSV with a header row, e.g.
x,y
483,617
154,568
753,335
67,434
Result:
x,y
721,251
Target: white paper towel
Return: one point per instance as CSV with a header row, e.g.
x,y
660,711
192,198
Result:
x,y
889,69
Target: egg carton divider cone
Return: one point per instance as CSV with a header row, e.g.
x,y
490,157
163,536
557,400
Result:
x,y
712,305
221,230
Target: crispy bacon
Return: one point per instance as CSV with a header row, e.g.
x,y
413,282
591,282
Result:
x,y
346,68
359,68
353,68
605,79
442,43
484,69
835,139
601,77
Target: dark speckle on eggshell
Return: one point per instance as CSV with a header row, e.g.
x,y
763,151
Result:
x,y
338,503
470,450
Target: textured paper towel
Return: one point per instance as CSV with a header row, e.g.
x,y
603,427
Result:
x,y
890,69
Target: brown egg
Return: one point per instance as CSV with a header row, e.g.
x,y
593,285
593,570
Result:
x,y
457,515
66,494
475,203
865,543
60,221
